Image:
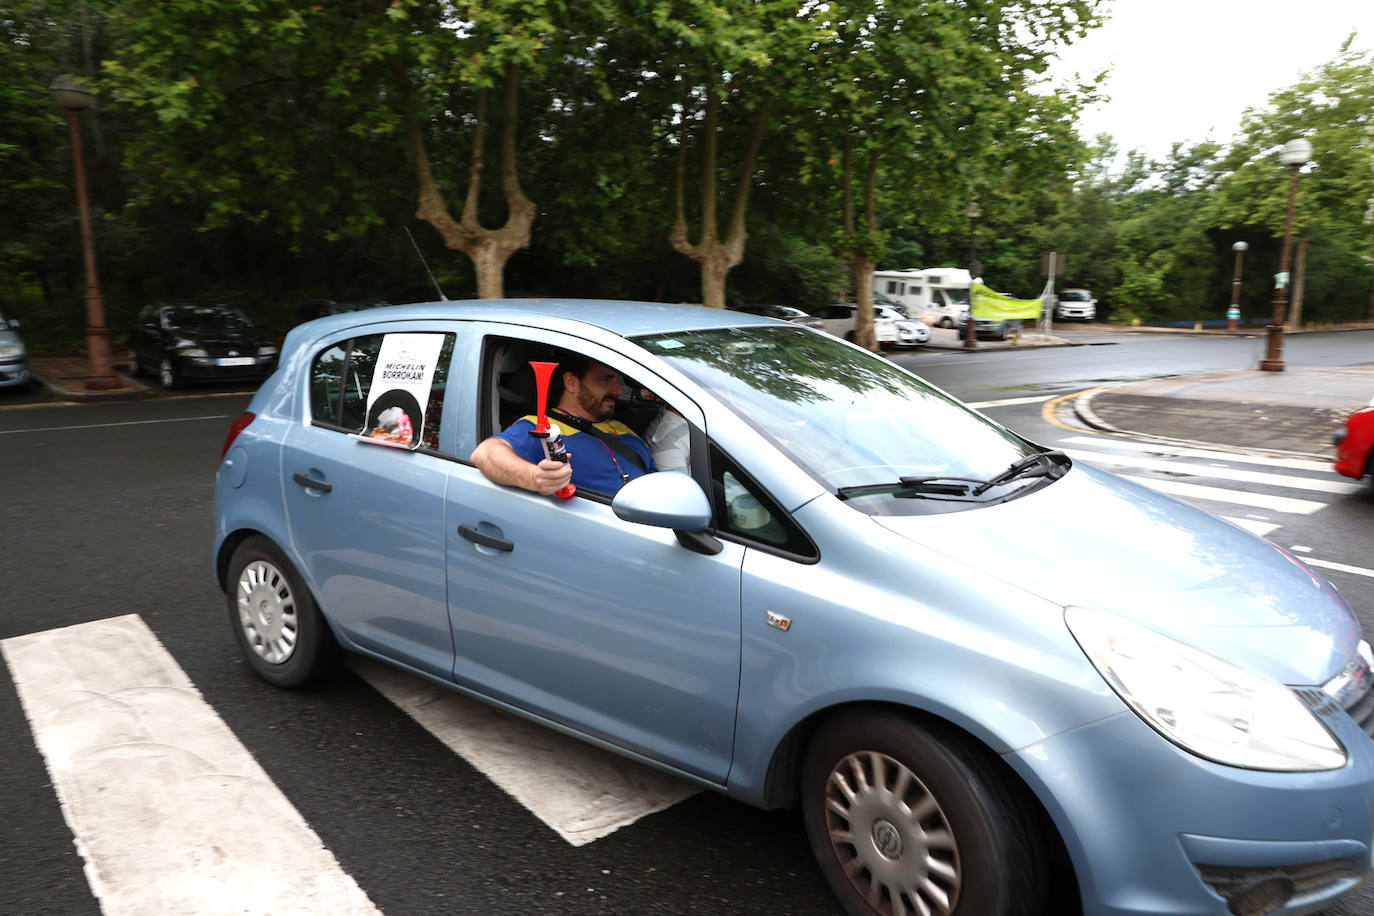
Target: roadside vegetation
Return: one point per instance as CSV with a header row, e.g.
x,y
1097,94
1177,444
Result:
x,y
269,152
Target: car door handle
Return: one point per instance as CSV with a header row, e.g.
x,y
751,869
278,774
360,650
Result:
x,y
485,540
311,483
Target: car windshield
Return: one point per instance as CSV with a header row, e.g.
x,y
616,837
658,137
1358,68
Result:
x,y
1074,295
207,316
850,419
955,296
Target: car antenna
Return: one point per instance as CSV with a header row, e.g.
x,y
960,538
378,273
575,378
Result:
x,y
442,297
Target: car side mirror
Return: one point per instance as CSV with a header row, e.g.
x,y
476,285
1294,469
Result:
x,y
665,499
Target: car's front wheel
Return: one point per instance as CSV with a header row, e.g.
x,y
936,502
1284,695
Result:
x,y
946,322
908,820
278,627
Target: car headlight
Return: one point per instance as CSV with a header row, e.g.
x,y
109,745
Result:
x,y
267,351
1206,706
11,351
193,353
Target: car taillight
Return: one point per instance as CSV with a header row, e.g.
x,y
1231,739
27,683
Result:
x,y
235,428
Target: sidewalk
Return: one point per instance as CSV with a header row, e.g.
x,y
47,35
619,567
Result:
x,y
65,379
1294,411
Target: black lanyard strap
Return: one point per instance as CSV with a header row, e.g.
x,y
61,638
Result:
x,y
582,425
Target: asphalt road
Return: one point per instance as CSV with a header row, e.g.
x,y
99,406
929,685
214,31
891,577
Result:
x,y
108,513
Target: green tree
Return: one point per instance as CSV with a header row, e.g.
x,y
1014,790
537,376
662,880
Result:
x,y
1330,107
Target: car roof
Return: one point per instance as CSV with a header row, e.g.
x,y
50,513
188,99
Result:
x,y
623,318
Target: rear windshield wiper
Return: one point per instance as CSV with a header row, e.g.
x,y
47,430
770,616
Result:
x,y
1052,464
911,487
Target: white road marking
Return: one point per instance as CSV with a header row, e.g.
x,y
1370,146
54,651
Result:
x,y
979,405
1341,567
54,429
583,793
1178,451
170,812
1240,497
1167,465
1252,525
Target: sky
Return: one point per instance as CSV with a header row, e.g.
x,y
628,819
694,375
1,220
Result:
x,y
1186,70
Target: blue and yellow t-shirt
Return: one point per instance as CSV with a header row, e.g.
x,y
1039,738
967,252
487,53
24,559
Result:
x,y
595,464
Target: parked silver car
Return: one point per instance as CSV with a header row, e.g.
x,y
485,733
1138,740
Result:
x,y
14,355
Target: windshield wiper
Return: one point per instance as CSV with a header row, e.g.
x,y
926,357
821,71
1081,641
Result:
x,y
1054,467
906,487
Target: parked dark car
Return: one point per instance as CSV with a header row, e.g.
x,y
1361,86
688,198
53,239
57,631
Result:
x,y
184,342
989,328
318,308
14,356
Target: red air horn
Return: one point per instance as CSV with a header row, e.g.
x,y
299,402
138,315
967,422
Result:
x,y
551,438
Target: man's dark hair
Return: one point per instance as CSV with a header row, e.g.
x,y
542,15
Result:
x,y
568,361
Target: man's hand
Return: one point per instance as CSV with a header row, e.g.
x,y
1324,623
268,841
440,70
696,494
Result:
x,y
551,476
495,458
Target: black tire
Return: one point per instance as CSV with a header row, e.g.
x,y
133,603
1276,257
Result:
x,y
955,835
167,374
946,322
274,617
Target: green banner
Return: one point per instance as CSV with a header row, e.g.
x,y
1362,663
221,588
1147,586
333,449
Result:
x,y
988,303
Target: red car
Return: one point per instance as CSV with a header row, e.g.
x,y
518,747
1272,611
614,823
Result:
x,y
1355,444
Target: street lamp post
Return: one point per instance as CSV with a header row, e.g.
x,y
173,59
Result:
x,y
74,99
1295,153
972,212
1233,313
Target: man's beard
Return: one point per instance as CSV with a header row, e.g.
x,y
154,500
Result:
x,y
595,407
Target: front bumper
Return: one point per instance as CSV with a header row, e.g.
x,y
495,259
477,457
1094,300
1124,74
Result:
x,y
207,369
14,373
1086,314
1152,829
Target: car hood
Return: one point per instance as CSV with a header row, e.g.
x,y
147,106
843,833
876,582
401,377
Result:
x,y
243,337
1096,540
8,337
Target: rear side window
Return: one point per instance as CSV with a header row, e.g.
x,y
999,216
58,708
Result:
x,y
387,388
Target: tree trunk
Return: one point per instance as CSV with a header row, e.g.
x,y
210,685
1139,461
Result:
x,y
716,257
489,249
1299,278
862,269
861,262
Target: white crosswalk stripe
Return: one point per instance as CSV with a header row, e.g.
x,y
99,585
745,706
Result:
x,y
170,812
1215,472
1214,478
1285,504
583,793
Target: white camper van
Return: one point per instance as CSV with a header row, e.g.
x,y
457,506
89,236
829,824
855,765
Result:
x,y
936,295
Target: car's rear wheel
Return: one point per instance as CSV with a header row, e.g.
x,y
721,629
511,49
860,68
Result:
x,y
275,619
946,322
167,374
907,820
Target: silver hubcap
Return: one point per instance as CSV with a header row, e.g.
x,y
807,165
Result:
x,y
891,836
267,612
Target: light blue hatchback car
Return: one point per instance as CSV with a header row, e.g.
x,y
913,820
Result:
x,y
854,600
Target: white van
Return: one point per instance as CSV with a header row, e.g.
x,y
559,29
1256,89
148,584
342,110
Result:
x,y
936,295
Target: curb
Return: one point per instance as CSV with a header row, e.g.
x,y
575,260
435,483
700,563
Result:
x,y
1082,408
